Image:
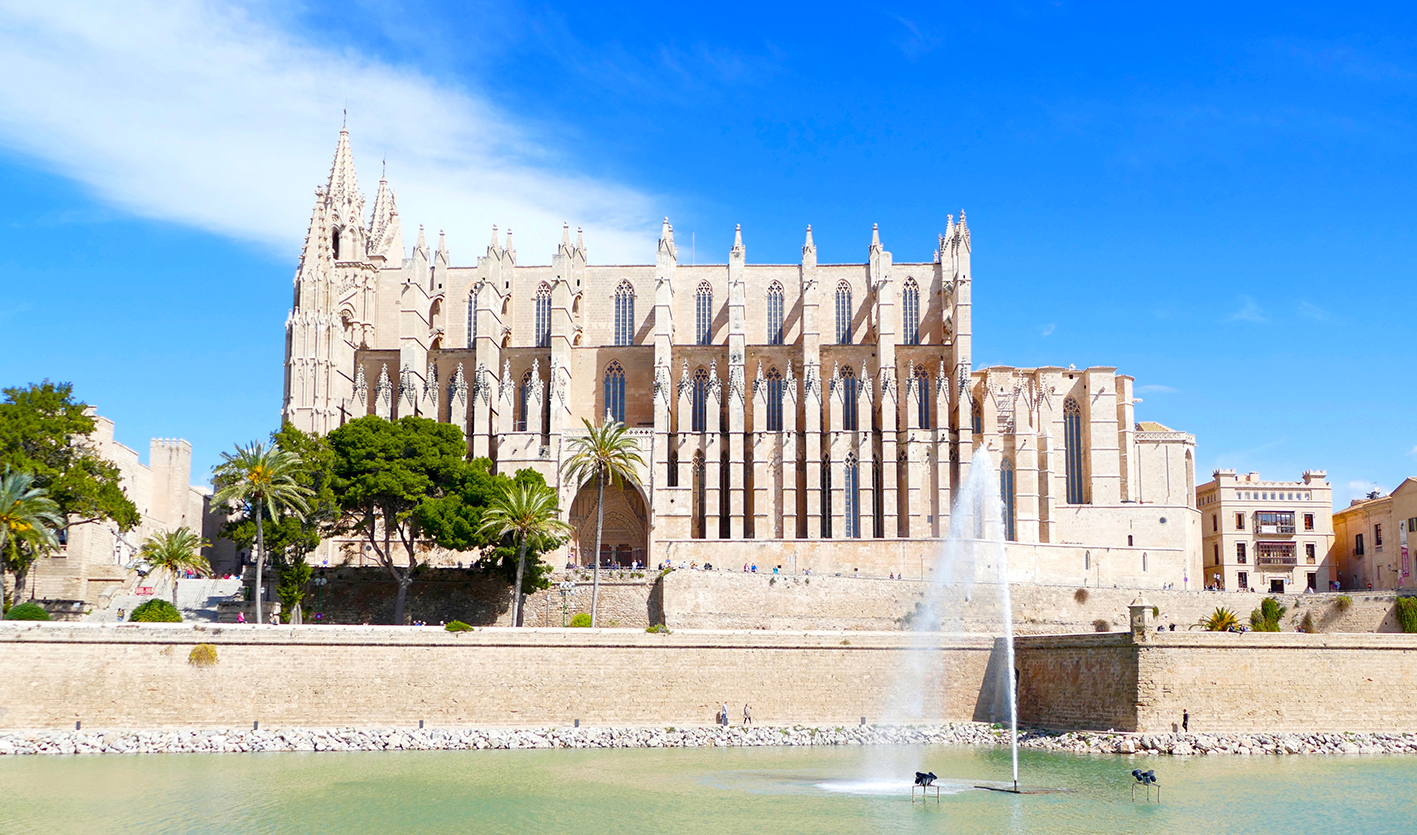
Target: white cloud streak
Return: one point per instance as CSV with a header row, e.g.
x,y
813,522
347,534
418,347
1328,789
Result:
x,y
209,115
1249,311
1155,389
1048,329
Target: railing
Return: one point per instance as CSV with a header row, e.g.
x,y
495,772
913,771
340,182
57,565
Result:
x,y
1280,560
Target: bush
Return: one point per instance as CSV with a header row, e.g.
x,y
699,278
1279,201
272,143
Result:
x,y
459,626
1102,625
1406,608
1080,595
1308,624
27,611
581,620
1343,603
1266,618
658,628
1221,620
156,611
202,655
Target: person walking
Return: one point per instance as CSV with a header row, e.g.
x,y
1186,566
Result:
x,y
240,617
747,715
1186,721
725,713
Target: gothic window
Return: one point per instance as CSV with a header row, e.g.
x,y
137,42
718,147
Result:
x,y
543,316
703,313
775,313
774,384
826,498
1072,451
848,392
843,313
1006,494
615,391
524,394
700,497
472,318
334,245
700,398
910,312
624,314
922,383
853,497
976,419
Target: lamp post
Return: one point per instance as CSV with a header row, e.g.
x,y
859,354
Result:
x,y
319,597
566,588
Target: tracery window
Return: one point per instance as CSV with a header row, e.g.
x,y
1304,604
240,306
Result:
x,y
910,312
774,384
775,313
1072,450
524,395
543,316
700,497
615,391
853,497
922,383
699,421
843,313
703,313
1006,495
624,314
849,387
976,419
472,318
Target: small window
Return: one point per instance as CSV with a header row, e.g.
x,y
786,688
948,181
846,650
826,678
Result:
x,y
1310,555
1087,560
1129,540
1239,521
1308,521
1377,536
1143,561
1240,555
1244,579
1358,545
1215,552
1214,522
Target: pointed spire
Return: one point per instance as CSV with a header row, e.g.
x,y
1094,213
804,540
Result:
x,y
737,236
385,233
809,244
422,245
580,241
666,239
875,237
566,235
496,245
343,185
511,247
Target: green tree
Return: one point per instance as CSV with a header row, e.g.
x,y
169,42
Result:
x,y
173,552
1221,620
528,514
384,474
1266,618
259,480
28,521
606,453
44,431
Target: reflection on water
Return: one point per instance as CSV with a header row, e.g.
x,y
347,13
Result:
x,y
773,790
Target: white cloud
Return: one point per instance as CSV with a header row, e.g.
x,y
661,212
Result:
x,y
209,115
1048,329
1249,311
1359,488
1155,389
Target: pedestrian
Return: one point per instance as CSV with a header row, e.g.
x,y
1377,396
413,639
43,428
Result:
x,y
1186,721
724,713
747,715
240,617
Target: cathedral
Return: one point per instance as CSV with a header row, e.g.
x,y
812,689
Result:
x,y
818,417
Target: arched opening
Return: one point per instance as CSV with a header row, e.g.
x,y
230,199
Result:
x,y
849,412
775,313
623,538
922,384
703,313
334,244
1072,451
910,312
615,392
1007,495
774,398
699,419
843,313
624,314
853,497
543,315
472,316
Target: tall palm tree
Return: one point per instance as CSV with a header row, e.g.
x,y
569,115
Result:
x,y
173,552
605,453
528,511
263,480
28,520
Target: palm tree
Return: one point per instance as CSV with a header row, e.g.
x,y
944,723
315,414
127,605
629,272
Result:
x,y
605,453
28,520
263,479
527,511
1221,620
174,552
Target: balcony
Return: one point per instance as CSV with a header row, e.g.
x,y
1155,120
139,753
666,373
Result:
x,y
1274,523
1275,554
1277,560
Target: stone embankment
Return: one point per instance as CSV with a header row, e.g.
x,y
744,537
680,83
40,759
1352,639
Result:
x,y
465,739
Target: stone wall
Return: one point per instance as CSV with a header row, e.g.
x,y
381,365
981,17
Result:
x,y
138,676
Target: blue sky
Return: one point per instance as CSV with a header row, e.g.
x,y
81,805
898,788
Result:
x,y
1217,199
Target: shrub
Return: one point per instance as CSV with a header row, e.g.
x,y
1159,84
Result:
x,y
459,626
581,620
1308,624
27,611
1102,625
202,655
1080,595
1156,611
1343,603
1266,617
1406,608
1221,620
156,611
658,628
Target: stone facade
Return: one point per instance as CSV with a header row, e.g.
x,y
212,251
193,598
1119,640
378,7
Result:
x,y
774,403
1273,536
1374,539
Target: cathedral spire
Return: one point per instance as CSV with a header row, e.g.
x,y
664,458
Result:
x,y
494,248
343,184
666,239
875,238
809,244
385,233
737,237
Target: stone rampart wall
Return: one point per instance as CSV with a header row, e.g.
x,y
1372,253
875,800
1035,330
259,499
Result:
x,y
139,676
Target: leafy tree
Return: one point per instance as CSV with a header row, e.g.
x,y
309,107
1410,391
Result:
x,y
44,431
173,552
527,513
27,611
1406,608
384,474
605,453
156,610
1266,617
28,520
1221,620
260,480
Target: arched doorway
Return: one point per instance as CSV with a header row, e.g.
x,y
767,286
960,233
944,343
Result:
x,y
623,541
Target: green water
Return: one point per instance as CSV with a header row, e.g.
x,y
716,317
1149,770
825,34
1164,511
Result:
x,y
772,790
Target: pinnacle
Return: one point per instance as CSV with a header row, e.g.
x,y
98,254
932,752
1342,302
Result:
x,y
809,244
737,236
875,236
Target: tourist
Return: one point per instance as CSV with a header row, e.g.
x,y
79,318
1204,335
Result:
x,y
725,713
755,568
275,619
1185,720
240,617
747,715
892,575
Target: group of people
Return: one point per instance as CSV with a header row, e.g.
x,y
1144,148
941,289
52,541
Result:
x,y
722,717
273,620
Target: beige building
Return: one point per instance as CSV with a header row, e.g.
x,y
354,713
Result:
x,y
96,559
1374,539
1271,536
814,415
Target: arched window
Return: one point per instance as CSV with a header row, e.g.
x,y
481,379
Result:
x,y
615,391
976,419
853,497
1006,494
700,497
774,383
843,313
910,312
848,396
700,396
1072,450
472,318
775,313
922,383
624,314
543,316
524,394
334,245
703,313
